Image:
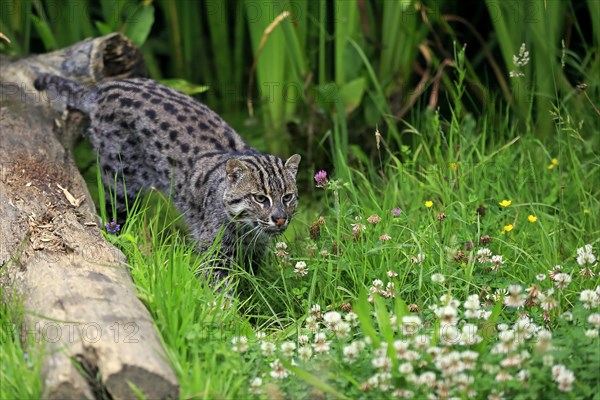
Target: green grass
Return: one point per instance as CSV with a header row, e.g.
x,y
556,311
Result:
x,y
21,361
468,170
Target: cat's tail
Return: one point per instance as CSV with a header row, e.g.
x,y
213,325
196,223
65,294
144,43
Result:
x,y
66,91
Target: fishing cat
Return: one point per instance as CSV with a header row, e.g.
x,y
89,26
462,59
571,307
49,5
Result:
x,y
149,135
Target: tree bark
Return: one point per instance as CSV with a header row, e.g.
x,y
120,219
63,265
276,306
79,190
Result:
x,y
80,302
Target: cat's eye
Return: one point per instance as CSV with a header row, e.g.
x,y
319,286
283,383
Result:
x,y
287,197
260,199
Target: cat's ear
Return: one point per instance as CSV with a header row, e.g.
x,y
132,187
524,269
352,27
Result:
x,y
235,169
292,163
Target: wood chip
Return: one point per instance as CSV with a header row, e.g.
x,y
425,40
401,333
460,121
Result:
x,y
74,202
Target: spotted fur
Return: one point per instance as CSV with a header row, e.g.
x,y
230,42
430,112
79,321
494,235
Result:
x,y
154,136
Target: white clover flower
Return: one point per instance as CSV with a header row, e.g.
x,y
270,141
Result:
x,y
511,361
523,375
305,353
427,379
311,323
563,377
240,344
421,342
300,269
260,335
469,335
392,274
321,344
383,363
540,277
589,298
503,376
472,303
255,385
332,319
524,329
438,278
447,315
497,260
351,352
302,340
267,348
594,319
287,348
389,290
342,330
450,364
562,280
567,316
469,358
411,324
381,381
277,370
315,311
544,340
377,286
515,299
449,334
591,333
405,368
484,255
351,318
547,301
400,346
585,256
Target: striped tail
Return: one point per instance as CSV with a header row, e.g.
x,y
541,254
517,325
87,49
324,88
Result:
x,y
71,92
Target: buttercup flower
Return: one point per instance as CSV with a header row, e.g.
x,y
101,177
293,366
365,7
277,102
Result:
x,y
505,203
553,163
508,228
532,218
429,204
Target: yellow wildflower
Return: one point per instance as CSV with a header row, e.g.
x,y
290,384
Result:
x,y
532,218
508,228
429,204
553,163
505,203
453,166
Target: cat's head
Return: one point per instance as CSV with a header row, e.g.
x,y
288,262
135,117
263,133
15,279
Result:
x,y
261,191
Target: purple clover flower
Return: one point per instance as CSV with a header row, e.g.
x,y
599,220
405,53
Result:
x,y
112,227
321,179
396,212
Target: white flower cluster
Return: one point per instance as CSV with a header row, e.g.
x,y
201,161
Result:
x,y
585,256
520,60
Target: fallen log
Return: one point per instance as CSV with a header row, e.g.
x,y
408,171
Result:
x,y
79,299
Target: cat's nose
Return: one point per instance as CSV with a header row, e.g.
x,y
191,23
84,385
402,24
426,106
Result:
x,y
279,221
